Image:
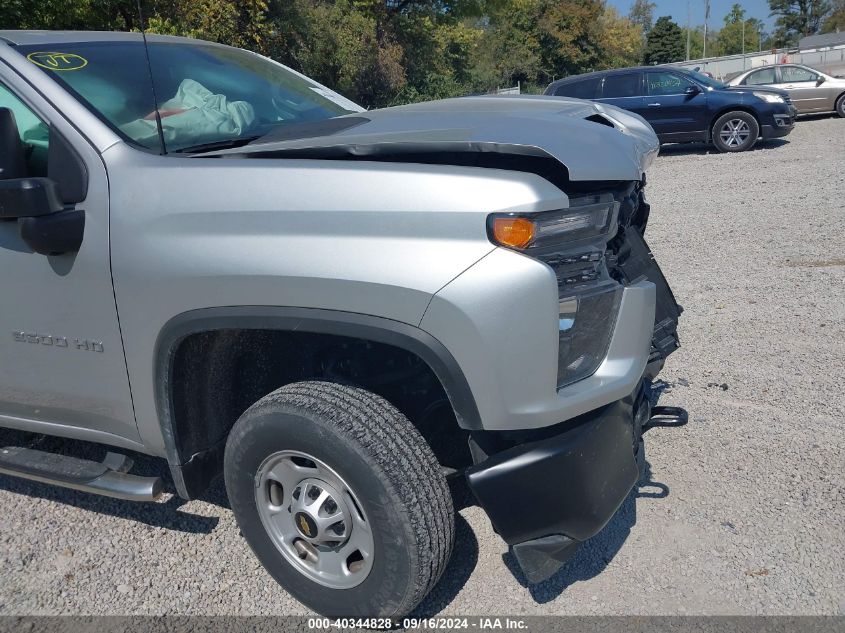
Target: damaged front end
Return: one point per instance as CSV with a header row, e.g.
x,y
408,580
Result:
x,y
547,490
559,479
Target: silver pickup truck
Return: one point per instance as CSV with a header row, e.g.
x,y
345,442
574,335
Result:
x,y
212,259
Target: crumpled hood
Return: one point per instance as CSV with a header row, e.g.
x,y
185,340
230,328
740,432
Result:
x,y
614,145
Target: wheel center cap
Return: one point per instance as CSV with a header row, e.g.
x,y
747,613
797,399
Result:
x,y
305,524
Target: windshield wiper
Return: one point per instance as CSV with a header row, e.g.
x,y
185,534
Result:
x,y
216,145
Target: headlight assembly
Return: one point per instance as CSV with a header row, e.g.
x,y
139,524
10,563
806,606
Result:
x,y
587,217
573,242
769,97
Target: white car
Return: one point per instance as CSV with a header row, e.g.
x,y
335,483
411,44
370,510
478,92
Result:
x,y
810,90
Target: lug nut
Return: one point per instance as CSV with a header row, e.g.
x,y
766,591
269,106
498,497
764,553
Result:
x,y
313,492
331,506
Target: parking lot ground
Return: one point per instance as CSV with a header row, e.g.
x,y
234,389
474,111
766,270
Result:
x,y
744,508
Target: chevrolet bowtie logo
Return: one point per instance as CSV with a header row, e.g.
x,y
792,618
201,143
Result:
x,y
303,525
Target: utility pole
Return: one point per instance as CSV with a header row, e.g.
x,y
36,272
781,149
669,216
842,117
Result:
x,y
706,18
689,24
743,42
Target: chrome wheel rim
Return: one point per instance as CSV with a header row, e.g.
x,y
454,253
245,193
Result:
x,y
314,519
735,133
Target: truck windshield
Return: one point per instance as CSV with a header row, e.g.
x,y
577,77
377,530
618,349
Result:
x,y
207,95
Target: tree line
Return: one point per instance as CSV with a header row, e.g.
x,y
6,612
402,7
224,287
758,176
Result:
x,y
385,52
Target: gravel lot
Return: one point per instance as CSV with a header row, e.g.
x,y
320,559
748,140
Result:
x,y
745,509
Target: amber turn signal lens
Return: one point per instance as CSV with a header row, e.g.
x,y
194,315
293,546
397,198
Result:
x,y
513,232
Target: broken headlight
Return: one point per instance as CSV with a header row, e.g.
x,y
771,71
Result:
x,y
572,242
585,325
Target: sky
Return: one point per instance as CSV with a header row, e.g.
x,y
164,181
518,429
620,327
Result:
x,y
718,10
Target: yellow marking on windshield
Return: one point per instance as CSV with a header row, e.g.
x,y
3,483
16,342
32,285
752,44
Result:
x,y
57,61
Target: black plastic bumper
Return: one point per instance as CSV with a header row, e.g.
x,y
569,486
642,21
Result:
x,y
771,131
546,496
779,125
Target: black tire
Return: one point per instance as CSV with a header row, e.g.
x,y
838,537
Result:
x,y
741,118
384,459
840,105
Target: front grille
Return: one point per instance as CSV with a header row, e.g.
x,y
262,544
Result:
x,y
625,259
630,259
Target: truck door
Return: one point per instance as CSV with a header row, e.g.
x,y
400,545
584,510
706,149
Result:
x,y
63,370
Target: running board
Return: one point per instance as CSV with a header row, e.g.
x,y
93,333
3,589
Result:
x,y
109,477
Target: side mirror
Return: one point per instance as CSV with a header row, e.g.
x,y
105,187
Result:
x,y
43,207
691,91
820,80
29,198
45,224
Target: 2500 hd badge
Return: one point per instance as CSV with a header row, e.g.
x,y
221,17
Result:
x,y
57,341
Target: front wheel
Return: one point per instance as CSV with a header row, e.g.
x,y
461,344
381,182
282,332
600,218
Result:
x,y
840,105
735,132
340,498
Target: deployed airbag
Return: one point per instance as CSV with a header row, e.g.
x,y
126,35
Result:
x,y
194,115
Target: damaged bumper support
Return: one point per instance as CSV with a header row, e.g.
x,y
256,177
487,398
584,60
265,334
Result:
x,y
547,496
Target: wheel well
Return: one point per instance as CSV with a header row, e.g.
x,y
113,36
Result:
x,y
216,375
724,111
